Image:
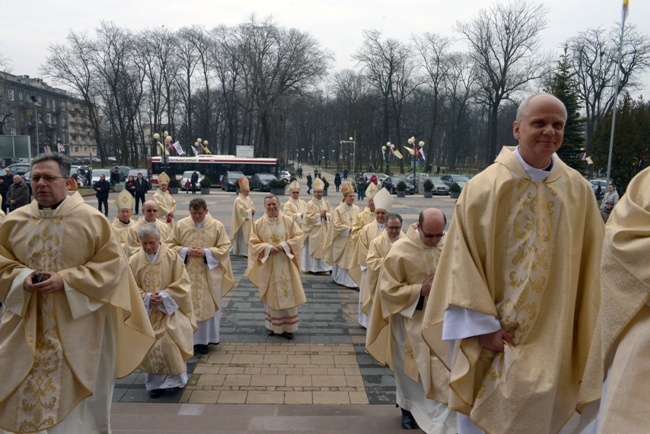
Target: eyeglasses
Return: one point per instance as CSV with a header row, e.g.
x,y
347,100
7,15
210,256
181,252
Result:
x,y
394,228
440,235
48,179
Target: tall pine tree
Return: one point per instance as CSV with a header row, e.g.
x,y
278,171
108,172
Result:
x,y
563,86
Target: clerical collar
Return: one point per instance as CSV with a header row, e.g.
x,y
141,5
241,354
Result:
x,y
125,223
535,175
348,206
152,258
55,206
273,219
381,226
200,224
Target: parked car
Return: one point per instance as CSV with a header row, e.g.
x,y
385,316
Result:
x,y
602,183
391,184
439,187
134,173
381,177
19,168
285,175
187,177
97,172
124,172
461,180
229,181
260,181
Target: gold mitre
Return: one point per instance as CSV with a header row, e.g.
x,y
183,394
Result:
x,y
371,190
347,189
294,186
383,200
318,184
163,178
243,183
124,200
72,185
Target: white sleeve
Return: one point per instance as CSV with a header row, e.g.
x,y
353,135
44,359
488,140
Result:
x,y
212,261
183,253
287,249
168,305
147,303
17,298
461,323
409,311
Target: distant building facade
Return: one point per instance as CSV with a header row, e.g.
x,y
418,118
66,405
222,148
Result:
x,y
62,118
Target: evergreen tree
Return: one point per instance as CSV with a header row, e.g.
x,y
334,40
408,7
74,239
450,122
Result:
x,y
563,86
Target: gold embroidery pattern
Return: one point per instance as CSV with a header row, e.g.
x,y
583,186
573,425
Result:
x,y
197,270
535,215
39,394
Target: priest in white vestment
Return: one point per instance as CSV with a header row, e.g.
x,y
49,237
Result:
x,y
150,210
340,245
315,226
274,267
243,212
165,200
403,288
383,202
202,243
74,319
517,289
295,207
123,225
165,289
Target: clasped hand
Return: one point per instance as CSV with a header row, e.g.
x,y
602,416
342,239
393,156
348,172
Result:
x,y
155,298
195,251
49,282
495,341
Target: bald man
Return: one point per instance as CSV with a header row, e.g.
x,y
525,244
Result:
x,y
150,210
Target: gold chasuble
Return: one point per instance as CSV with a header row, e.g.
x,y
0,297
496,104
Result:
x,y
527,253
206,284
315,228
378,334
127,235
363,239
241,217
174,344
340,248
409,263
622,338
166,204
51,345
277,276
296,210
363,218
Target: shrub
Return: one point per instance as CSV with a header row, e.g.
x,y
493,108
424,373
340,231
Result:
x,y
277,183
401,186
174,182
428,185
455,188
205,182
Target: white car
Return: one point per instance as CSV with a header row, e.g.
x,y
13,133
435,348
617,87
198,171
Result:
x,y
187,177
97,172
283,174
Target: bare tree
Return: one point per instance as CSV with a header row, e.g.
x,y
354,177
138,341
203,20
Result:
x,y
504,41
432,49
594,55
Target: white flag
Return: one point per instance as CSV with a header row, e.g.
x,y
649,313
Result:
x,y
196,151
178,148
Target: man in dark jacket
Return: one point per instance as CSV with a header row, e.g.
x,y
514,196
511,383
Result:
x,y
102,188
194,179
141,188
4,191
18,193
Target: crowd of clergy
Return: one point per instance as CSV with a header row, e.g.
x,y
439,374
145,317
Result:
x,y
506,323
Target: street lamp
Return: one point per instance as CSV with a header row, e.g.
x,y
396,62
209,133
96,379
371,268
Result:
x,y
163,151
387,149
354,150
411,143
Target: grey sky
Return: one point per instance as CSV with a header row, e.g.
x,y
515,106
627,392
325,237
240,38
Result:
x,y
28,27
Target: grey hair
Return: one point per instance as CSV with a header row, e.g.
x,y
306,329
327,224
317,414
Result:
x,y
62,160
148,229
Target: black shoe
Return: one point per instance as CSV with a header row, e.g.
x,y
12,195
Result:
x,y
270,332
156,393
213,343
408,421
287,335
201,349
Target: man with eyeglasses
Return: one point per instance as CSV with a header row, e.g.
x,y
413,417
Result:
x,y
403,288
383,202
74,319
295,207
150,211
517,290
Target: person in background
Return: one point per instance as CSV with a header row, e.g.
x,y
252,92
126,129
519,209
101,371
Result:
x,y
150,215
339,246
315,226
130,185
243,213
309,182
4,191
607,210
18,193
611,195
165,200
102,189
141,188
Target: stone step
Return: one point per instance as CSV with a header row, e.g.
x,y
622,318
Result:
x,y
286,419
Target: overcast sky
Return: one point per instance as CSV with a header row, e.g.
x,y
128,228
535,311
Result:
x,y
29,26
